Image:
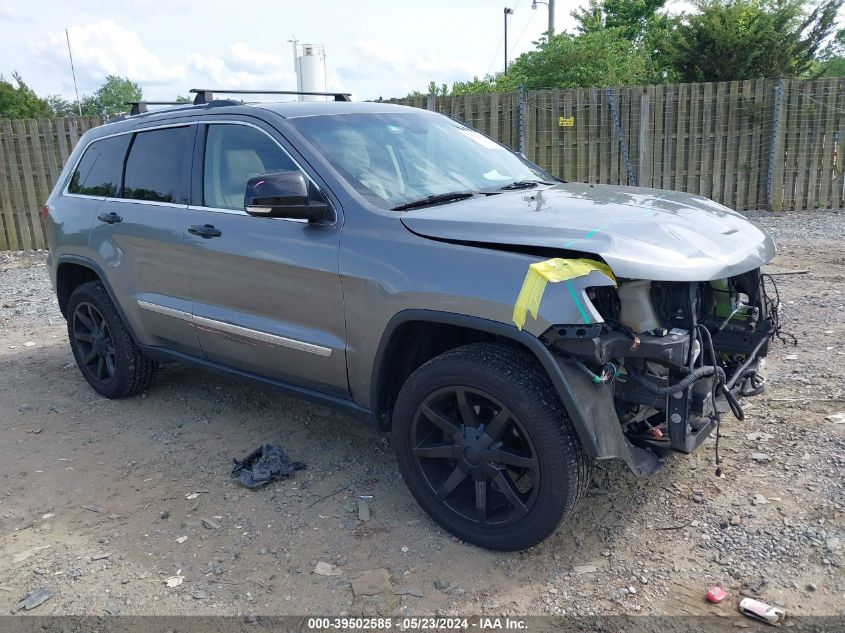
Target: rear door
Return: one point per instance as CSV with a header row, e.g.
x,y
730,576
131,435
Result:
x,y
138,237
267,292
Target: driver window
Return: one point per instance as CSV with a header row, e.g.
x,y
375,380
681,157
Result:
x,y
233,155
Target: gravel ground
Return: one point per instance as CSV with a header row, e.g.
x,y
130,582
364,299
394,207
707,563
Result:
x,y
100,486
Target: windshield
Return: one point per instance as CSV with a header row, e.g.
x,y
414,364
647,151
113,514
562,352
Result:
x,y
399,158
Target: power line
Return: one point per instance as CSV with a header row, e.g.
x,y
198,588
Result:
x,y
527,24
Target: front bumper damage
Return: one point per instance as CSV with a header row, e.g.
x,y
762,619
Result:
x,y
647,394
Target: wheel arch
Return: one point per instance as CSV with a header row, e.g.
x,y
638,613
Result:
x,y
74,270
386,381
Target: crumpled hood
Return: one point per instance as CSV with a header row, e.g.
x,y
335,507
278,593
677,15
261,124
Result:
x,y
640,233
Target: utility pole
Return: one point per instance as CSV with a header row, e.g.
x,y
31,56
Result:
x,y
507,13
551,6
73,72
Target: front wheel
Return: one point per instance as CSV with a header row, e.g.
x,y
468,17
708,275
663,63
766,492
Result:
x,y
486,447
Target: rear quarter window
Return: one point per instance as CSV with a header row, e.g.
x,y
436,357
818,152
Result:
x,y
157,168
98,172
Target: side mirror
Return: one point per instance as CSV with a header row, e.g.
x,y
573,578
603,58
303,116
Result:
x,y
282,195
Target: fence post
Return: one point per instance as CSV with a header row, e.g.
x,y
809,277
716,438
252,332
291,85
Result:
x,y
623,146
774,179
429,102
644,158
520,95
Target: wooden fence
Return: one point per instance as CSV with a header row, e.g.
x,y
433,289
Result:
x,y
32,154
759,144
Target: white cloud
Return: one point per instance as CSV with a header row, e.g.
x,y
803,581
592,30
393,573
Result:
x,y
242,68
415,71
106,48
8,14
241,57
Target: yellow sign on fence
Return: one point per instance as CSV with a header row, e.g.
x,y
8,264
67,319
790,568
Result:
x,y
566,122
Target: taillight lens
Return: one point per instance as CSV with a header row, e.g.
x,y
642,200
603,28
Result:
x,y
45,210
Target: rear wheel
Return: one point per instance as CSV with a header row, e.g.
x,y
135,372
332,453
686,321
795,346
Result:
x,y
486,448
102,346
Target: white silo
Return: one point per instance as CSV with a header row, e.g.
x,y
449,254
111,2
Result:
x,y
310,70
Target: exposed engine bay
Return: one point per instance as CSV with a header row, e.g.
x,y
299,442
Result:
x,y
675,356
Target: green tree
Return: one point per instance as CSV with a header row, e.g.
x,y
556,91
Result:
x,y
599,58
18,101
633,17
644,22
59,106
477,86
831,62
746,39
111,97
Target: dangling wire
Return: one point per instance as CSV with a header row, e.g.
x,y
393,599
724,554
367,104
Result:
x,y
718,383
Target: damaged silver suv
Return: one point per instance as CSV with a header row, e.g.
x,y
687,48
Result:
x,y
507,328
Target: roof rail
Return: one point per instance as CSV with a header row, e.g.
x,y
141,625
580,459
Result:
x,y
207,96
139,107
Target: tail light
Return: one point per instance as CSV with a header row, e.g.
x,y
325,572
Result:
x,y
45,211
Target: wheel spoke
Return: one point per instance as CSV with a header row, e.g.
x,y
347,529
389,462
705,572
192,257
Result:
x,y
508,489
110,364
451,482
100,367
441,421
467,412
510,459
85,337
91,355
481,500
92,315
497,425
438,451
86,321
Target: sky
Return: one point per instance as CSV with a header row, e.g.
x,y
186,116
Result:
x,y
373,48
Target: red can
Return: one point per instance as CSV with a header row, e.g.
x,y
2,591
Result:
x,y
716,594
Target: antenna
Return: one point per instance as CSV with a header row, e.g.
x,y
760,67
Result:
x,y
73,72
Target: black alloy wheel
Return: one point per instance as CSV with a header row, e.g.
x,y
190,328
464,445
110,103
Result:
x,y
476,456
486,447
102,345
94,341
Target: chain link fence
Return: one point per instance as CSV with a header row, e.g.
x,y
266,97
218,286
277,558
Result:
x,y
757,144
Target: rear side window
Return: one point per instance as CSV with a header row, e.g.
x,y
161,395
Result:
x,y
156,167
98,172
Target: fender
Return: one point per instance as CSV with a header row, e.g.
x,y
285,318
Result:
x,y
601,436
98,270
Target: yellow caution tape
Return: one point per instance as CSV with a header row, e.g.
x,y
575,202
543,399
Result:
x,y
552,270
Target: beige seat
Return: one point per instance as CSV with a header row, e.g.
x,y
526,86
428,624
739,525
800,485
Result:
x,y
239,165
354,157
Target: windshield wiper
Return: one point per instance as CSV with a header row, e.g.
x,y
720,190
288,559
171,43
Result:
x,y
522,184
439,198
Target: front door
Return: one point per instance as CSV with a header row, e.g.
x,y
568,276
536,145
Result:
x,y
267,293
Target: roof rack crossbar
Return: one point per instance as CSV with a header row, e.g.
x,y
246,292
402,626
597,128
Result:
x,y
139,107
206,96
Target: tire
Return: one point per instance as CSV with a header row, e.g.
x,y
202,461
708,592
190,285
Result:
x,y
510,477
102,346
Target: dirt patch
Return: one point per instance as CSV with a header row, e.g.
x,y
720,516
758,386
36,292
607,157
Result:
x,y
98,496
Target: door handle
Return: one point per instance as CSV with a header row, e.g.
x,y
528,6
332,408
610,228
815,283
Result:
x,y
110,218
205,231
